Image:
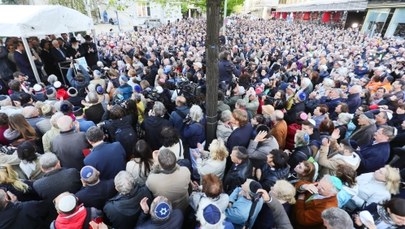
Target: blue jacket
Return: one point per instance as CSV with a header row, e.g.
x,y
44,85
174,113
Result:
x,y
353,101
238,213
226,69
240,137
176,119
125,90
373,157
108,159
79,85
194,134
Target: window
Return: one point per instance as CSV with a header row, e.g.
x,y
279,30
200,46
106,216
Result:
x,y
143,9
400,30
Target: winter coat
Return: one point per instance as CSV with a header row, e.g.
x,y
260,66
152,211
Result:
x,y
364,136
153,126
239,137
237,175
373,157
258,151
271,175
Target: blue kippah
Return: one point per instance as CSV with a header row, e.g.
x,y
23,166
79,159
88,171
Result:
x,y
162,210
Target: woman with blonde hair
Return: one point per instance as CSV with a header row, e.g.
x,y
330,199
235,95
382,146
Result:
x,y
378,186
284,192
212,161
19,130
9,181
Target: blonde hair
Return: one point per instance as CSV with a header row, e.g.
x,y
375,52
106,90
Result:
x,y
9,176
218,150
392,179
284,190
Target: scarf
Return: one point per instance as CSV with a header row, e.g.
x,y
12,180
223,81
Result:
x,y
384,216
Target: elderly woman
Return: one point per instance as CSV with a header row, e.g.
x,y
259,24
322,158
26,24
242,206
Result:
x,y
194,133
127,200
213,161
378,186
52,133
302,151
224,128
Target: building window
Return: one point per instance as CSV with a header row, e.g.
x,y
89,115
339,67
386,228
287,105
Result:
x,y
400,30
143,9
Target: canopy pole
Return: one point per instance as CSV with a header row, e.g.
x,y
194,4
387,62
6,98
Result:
x,y
31,60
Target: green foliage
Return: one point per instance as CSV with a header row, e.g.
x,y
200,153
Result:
x,y
14,2
78,5
234,6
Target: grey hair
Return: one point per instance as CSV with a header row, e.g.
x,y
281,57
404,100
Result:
x,y
64,123
389,131
159,109
124,182
329,180
92,97
277,115
337,218
54,119
48,161
167,159
369,120
226,115
241,103
196,113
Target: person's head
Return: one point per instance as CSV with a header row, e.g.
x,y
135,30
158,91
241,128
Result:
x,y
241,104
336,218
116,112
170,136
381,118
366,119
9,176
301,138
283,191
329,186
160,209
94,135
55,44
263,128
346,174
239,154
54,119
321,110
167,160
66,203
48,162
159,109
181,101
250,187
218,150
277,116
239,118
211,185
26,151
396,210
142,150
3,119
226,116
92,97
124,182
390,176
258,119
277,159
196,113
385,134
308,126
355,89
19,123
65,123
342,108
305,170
89,175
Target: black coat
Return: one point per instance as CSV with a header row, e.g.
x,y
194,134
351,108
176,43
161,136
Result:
x,y
94,113
123,211
29,214
153,126
237,175
97,195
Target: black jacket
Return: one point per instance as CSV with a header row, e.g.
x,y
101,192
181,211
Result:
x,y
29,214
153,126
237,175
123,211
270,176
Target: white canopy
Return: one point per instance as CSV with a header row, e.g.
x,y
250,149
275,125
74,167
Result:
x,y
28,20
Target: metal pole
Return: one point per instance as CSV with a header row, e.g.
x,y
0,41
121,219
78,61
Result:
x,y
118,21
225,9
29,55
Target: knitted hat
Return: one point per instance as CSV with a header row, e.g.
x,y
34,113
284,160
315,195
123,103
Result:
x,y
72,92
66,203
254,186
162,210
89,174
212,214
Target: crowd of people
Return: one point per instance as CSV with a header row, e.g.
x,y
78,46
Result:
x,y
310,131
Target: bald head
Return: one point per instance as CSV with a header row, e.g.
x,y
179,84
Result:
x,y
277,115
65,123
355,89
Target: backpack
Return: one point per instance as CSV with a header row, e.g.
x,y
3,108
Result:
x,y
126,135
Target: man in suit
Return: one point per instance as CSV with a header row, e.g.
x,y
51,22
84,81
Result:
x,y
57,52
22,62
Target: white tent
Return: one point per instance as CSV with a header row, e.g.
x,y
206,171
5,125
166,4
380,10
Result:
x,y
27,20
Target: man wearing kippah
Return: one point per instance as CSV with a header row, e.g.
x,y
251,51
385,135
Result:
x,y
315,198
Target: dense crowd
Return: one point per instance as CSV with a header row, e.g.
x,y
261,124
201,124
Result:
x,y
310,131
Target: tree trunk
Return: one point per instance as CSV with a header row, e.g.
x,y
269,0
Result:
x,y
212,49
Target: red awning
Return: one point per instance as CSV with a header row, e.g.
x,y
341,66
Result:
x,y
326,17
307,16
